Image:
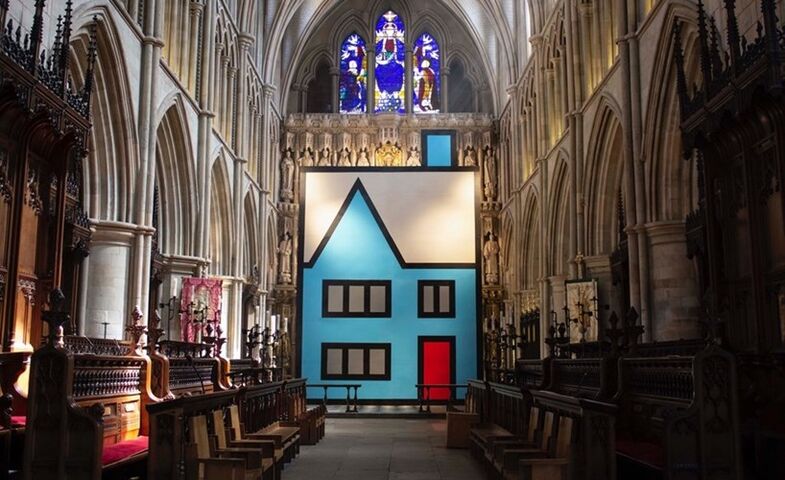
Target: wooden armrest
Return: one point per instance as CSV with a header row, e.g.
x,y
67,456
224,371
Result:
x,y
544,461
546,468
251,456
261,436
267,447
498,449
510,458
224,468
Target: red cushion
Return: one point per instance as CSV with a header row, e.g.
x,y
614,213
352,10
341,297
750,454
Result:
x,y
125,449
641,451
18,421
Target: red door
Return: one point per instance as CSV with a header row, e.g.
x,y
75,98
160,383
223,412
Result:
x,y
437,365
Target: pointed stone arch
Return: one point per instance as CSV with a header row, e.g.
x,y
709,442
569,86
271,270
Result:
x,y
175,180
113,136
221,225
603,179
671,181
558,224
530,267
251,244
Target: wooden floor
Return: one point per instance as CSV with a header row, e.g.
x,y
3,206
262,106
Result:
x,y
383,449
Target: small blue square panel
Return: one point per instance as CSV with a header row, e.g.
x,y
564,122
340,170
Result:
x,y
439,150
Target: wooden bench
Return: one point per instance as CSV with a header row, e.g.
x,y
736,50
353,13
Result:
x,y
228,415
209,459
311,421
263,416
545,457
93,405
503,411
672,409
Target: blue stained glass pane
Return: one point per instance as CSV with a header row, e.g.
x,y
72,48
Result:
x,y
353,90
427,75
390,64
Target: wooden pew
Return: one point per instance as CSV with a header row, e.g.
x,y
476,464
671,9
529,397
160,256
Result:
x,y
170,422
270,464
503,411
263,416
260,409
93,401
205,463
311,421
180,369
679,416
510,460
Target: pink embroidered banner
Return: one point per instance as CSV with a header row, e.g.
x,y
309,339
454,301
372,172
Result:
x,y
200,305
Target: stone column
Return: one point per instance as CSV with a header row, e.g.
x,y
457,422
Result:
x,y
674,288
206,118
409,80
150,59
266,193
196,18
371,78
629,164
444,93
335,76
107,280
585,10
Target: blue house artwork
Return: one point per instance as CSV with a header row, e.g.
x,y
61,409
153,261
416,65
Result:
x,y
389,295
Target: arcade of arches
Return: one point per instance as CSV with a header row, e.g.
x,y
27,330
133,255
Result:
x,y
564,217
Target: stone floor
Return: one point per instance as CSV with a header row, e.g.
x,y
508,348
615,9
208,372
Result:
x,y
383,449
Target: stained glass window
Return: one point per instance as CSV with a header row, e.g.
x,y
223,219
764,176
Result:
x,y
390,89
427,75
354,75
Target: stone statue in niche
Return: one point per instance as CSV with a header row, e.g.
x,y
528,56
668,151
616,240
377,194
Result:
x,y
345,159
287,177
285,259
470,159
491,173
414,158
307,159
490,253
362,160
324,158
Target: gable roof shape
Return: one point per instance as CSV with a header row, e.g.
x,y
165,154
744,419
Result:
x,y
357,188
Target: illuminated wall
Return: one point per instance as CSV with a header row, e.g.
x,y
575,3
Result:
x,y
402,227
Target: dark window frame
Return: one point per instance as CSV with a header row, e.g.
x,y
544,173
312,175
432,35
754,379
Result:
x,y
421,313
366,284
453,134
366,348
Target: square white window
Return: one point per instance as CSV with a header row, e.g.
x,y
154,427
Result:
x,y
444,299
356,299
334,361
335,299
377,360
427,299
356,361
378,299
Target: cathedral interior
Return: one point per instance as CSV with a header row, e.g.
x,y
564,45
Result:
x,y
393,239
